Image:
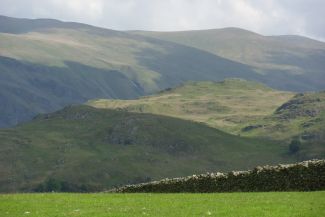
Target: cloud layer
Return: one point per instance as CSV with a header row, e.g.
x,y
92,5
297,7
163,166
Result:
x,y
270,17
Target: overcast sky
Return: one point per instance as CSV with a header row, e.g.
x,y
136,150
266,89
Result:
x,y
269,17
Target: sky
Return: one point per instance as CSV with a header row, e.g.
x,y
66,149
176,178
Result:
x,y
268,17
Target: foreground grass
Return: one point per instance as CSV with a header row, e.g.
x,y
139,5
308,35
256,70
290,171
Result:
x,y
226,204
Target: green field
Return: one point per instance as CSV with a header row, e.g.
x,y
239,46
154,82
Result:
x,y
279,204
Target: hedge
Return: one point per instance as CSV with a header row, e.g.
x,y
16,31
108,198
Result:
x,y
303,176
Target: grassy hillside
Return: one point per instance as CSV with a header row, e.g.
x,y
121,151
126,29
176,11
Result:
x,y
271,204
302,118
84,62
102,148
28,89
226,105
303,113
239,107
41,59
276,57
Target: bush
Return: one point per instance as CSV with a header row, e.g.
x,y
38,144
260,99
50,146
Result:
x,y
294,146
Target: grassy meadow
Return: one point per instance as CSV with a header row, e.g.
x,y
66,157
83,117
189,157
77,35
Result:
x,y
277,204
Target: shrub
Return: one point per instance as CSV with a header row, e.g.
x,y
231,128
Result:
x,y
294,146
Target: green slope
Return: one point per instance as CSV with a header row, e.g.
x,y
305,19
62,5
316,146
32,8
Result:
x,y
301,118
103,148
276,57
93,62
242,108
28,89
226,105
84,62
304,112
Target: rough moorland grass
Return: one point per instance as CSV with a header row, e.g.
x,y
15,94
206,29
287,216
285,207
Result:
x,y
284,204
240,107
107,148
228,105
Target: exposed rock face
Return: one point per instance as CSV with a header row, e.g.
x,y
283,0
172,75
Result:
x,y
302,105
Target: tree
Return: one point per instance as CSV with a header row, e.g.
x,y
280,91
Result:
x,y
52,185
294,146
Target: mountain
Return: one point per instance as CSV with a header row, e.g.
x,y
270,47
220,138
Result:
x,y
173,133
27,89
47,64
240,107
275,57
102,148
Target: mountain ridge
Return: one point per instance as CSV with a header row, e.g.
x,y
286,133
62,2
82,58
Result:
x,y
57,21
81,52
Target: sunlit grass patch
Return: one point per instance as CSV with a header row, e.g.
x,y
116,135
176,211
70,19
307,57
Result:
x,y
277,204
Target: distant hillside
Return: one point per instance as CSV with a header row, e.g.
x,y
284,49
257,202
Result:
x,y
239,107
44,58
27,89
227,105
301,118
275,57
47,56
102,148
